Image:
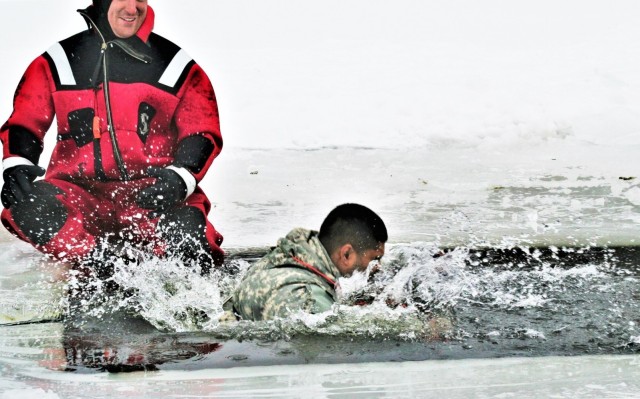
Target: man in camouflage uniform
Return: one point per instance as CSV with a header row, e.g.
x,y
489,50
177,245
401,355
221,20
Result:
x,y
301,272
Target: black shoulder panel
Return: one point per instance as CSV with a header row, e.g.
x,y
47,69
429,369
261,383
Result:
x,y
83,53
166,51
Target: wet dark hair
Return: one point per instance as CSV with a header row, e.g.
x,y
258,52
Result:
x,y
352,224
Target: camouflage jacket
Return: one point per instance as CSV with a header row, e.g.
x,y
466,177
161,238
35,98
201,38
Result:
x,y
284,281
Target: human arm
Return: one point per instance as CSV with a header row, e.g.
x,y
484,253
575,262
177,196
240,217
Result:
x,y
23,133
292,298
199,143
198,124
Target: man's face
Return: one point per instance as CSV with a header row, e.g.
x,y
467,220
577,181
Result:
x,y
126,16
364,258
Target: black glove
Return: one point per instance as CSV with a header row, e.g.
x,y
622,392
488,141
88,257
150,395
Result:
x,y
18,183
168,191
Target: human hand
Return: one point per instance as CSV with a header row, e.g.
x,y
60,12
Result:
x,y
18,183
168,191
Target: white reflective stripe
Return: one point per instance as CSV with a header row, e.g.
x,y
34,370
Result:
x,y
15,161
174,70
188,178
59,58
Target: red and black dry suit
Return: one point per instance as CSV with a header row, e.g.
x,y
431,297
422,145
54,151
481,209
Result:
x,y
121,105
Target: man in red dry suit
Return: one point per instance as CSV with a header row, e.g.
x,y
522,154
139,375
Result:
x,y
137,129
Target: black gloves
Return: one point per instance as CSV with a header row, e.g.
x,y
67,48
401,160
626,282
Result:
x,y
18,183
168,191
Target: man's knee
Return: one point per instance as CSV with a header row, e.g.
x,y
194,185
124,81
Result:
x,y
40,216
185,232
184,224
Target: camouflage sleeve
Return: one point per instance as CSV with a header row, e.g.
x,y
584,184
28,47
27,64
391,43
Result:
x,y
291,298
322,301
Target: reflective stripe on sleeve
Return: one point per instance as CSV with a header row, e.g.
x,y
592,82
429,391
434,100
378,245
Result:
x,y
59,57
174,70
188,178
15,161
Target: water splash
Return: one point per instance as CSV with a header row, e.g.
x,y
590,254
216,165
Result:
x,y
419,293
417,276
533,288
171,294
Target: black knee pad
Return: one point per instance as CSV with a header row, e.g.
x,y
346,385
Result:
x,y
186,223
41,215
184,230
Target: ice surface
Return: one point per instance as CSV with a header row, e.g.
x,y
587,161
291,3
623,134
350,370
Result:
x,y
538,192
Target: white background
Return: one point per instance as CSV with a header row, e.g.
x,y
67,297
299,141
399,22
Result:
x,y
383,73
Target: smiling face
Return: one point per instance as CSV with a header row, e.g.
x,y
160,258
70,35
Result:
x,y
126,16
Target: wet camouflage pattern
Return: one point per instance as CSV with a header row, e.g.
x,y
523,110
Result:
x,y
277,285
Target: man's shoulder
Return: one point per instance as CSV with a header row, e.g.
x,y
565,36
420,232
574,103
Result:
x,y
279,286
262,282
264,279
276,292
160,47
163,46
274,276
69,59
81,38
161,41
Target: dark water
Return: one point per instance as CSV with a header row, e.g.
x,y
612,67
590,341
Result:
x,y
491,303
574,303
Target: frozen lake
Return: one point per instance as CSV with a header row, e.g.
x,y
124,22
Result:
x,y
542,263
535,191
